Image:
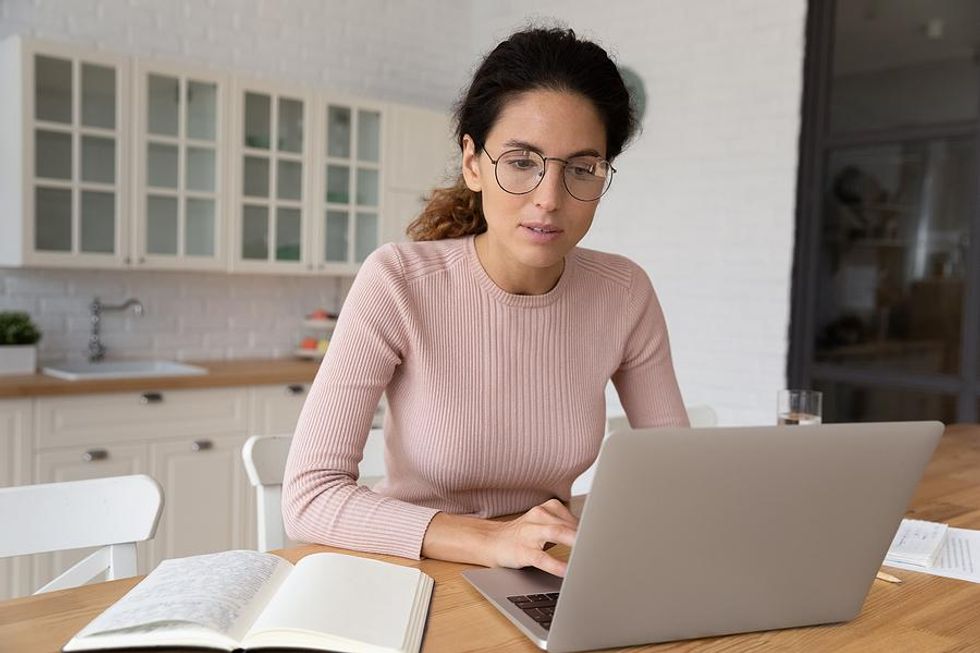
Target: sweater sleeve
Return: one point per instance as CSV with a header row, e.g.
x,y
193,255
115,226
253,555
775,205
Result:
x,y
321,500
645,379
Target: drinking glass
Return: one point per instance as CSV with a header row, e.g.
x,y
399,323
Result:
x,y
799,407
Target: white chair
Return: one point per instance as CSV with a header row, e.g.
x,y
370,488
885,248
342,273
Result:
x,y
112,513
700,416
265,464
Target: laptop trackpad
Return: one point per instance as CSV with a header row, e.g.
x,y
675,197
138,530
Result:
x,y
504,582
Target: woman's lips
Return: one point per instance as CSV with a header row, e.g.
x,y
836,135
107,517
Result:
x,y
540,233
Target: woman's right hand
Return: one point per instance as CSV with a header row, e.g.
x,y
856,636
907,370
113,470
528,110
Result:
x,y
521,542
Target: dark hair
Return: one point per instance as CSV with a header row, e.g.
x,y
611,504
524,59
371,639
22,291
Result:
x,y
533,59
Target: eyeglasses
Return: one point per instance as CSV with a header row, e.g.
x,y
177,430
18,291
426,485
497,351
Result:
x,y
518,172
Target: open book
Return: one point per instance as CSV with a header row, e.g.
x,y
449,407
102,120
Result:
x,y
250,600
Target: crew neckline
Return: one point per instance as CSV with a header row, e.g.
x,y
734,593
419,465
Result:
x,y
513,299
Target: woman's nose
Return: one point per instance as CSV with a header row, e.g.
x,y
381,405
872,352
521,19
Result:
x,y
549,193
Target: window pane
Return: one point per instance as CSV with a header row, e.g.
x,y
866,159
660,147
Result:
x,y
52,154
367,187
52,219
335,249
367,235
290,180
202,110
162,105
368,135
98,96
338,132
161,225
843,402
290,125
258,120
893,255
98,159
200,169
338,184
161,165
288,227
256,181
199,234
904,63
98,222
52,89
255,232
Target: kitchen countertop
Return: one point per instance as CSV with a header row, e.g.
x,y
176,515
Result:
x,y
221,373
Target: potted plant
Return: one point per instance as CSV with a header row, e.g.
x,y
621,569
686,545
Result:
x,y
18,337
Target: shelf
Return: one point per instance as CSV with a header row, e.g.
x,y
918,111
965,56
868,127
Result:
x,y
319,324
312,354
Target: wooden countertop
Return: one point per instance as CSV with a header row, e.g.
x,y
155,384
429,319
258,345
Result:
x,y
221,373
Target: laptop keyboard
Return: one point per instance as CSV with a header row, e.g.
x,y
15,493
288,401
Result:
x,y
540,607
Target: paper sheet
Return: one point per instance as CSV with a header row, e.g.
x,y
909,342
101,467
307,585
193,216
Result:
x,y
959,558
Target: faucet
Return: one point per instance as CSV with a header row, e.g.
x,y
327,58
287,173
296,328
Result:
x,y
96,350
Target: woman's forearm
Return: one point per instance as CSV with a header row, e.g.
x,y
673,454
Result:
x,y
459,539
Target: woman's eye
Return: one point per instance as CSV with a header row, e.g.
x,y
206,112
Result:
x,y
523,164
582,171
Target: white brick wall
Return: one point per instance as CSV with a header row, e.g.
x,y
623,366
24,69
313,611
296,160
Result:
x,y
704,200
188,315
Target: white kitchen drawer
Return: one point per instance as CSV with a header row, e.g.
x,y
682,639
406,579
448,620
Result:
x,y
275,408
121,417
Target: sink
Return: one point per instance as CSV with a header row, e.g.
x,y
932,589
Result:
x,y
120,370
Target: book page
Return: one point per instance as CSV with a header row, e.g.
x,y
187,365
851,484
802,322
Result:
x,y
220,591
351,598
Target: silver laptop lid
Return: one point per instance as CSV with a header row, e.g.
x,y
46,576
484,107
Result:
x,y
699,532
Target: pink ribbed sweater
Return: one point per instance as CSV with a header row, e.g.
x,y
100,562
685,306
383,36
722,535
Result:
x,y
495,401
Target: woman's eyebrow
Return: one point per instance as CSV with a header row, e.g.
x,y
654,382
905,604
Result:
x,y
524,145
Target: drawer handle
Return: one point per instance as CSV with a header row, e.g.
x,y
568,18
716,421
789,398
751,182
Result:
x,y
201,445
93,455
151,398
295,389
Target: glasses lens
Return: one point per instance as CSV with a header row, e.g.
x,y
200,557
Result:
x,y
519,171
587,178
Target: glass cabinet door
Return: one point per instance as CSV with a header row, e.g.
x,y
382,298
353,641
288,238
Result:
x,y
272,169
181,146
352,182
76,142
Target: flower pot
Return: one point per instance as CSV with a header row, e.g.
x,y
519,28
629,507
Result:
x,y
18,359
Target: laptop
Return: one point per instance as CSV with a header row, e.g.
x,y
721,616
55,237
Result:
x,y
691,533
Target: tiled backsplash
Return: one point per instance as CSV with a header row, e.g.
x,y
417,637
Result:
x,y
187,315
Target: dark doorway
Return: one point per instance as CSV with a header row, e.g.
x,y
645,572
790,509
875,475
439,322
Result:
x,y
886,281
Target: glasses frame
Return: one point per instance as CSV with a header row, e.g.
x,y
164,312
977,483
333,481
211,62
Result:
x,y
564,182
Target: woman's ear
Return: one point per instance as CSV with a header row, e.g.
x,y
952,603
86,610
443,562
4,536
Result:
x,y
471,165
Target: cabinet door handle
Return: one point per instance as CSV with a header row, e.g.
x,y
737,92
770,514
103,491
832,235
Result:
x,y
93,455
201,445
151,398
295,389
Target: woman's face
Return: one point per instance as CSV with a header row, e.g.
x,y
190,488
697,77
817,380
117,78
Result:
x,y
529,235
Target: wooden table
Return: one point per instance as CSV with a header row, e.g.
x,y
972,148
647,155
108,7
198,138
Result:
x,y
925,613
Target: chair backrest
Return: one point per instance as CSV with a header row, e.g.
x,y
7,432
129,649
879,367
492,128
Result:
x,y
265,463
112,513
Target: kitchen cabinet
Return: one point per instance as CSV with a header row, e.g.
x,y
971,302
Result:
x,y
180,147
15,465
228,173
64,125
350,181
207,496
272,150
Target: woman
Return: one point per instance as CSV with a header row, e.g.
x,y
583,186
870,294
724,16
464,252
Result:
x,y
493,335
